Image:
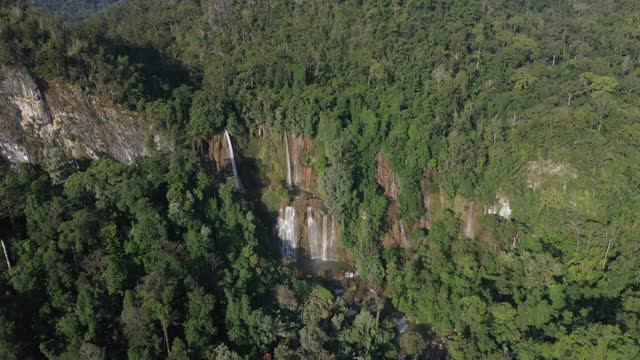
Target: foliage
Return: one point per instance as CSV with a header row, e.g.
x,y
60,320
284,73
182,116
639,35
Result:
x,y
534,101
72,9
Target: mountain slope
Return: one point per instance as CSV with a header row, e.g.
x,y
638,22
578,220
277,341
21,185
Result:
x,y
62,117
479,160
72,10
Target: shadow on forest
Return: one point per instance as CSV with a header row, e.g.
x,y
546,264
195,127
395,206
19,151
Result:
x,y
161,73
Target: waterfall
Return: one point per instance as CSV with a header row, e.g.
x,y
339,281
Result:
x,y
289,176
332,239
313,234
325,237
394,191
468,231
328,239
403,235
233,161
287,231
321,240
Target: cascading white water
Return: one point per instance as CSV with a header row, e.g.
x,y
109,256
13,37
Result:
x,y
231,158
403,235
331,243
313,235
328,239
468,230
394,191
287,231
289,176
325,237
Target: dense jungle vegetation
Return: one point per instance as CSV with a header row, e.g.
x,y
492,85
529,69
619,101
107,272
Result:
x,y
164,259
72,10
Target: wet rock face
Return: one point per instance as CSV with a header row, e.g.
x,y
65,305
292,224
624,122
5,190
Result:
x,y
215,149
385,177
467,211
33,118
304,228
395,232
303,156
269,148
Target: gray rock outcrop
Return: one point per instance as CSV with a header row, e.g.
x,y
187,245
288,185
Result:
x,y
34,118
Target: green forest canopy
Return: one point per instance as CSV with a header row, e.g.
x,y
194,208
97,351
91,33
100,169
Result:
x,y
72,10
161,259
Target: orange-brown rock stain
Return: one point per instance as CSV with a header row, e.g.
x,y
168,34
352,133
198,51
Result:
x,y
396,232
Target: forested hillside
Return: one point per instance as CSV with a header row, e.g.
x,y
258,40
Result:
x,y
500,139
72,9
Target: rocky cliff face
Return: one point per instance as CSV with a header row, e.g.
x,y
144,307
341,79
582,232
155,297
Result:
x,y
303,157
395,232
264,150
33,118
282,163
467,211
386,178
214,146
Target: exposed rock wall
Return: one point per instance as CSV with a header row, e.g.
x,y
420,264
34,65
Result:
x,y
303,157
261,157
502,208
266,147
467,212
395,234
215,149
385,177
430,201
34,117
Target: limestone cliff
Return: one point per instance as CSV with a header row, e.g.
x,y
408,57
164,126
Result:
x,y
262,153
395,233
35,116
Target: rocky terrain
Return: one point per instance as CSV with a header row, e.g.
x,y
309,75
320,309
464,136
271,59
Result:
x,y
36,117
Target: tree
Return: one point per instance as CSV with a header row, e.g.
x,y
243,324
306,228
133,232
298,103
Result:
x,y
208,113
115,274
364,337
222,352
57,165
143,343
251,329
158,294
595,83
595,342
92,352
148,235
523,80
377,72
87,313
8,348
336,180
413,342
312,339
317,307
178,350
200,327
286,297
504,329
